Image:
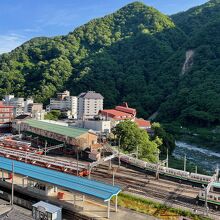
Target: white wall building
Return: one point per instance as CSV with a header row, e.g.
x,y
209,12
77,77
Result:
x,y
64,102
89,104
47,211
20,104
95,125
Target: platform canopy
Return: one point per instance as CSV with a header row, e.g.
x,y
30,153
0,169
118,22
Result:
x,y
73,183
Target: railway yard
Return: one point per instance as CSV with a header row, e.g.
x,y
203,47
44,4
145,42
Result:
x,y
170,191
165,190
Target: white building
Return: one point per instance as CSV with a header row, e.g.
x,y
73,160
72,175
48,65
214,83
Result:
x,y
46,211
20,104
89,104
64,102
95,125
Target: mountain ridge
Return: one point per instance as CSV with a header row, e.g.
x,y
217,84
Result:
x,y
135,54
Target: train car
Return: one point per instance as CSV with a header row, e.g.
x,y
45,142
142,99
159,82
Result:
x,y
125,158
180,174
169,172
140,163
151,166
213,199
199,178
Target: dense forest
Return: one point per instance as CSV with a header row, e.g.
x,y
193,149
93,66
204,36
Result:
x,y
136,54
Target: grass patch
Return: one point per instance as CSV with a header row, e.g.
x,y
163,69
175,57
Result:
x,y
153,208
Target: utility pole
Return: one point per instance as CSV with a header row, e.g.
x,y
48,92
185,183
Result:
x,y
137,152
77,158
185,162
114,169
45,148
206,200
195,169
12,185
19,130
167,165
119,142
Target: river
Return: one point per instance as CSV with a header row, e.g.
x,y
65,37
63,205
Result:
x,y
202,157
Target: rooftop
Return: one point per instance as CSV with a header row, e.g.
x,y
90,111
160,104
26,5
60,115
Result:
x,y
126,109
91,95
115,114
55,128
23,116
142,123
48,207
216,184
82,185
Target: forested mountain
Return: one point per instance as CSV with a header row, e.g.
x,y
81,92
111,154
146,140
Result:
x,y
196,100
137,55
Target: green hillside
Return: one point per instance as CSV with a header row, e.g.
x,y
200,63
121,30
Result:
x,y
196,100
136,54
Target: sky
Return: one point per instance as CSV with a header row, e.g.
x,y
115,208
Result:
x,y
21,20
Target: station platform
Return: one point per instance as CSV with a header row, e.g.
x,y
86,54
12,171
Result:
x,y
83,207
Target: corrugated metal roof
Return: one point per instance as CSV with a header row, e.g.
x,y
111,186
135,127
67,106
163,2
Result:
x,y
82,185
49,207
216,184
58,129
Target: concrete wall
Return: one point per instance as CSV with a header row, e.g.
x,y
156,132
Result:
x,y
96,125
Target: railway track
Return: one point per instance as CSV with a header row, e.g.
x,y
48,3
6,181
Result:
x,y
142,180
138,183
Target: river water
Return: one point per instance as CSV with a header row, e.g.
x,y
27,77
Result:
x,y
202,157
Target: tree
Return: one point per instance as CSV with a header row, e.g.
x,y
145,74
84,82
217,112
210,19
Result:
x,y
53,115
135,140
168,141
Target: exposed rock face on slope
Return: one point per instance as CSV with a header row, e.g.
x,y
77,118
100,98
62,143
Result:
x,y
188,61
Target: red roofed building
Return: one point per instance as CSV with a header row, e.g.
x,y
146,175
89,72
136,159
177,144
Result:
x,y
115,114
6,116
124,108
143,123
118,114
123,112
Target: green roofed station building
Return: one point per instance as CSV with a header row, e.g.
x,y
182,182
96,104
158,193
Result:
x,y
80,137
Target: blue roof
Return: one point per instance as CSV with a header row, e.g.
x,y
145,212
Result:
x,y
85,186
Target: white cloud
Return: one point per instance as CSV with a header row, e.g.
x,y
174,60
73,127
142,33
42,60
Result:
x,y
10,41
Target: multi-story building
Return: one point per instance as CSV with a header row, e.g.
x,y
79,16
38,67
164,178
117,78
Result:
x,y
89,104
121,113
64,102
20,105
6,116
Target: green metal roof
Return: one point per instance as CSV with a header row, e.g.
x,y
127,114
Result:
x,y
58,129
216,184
